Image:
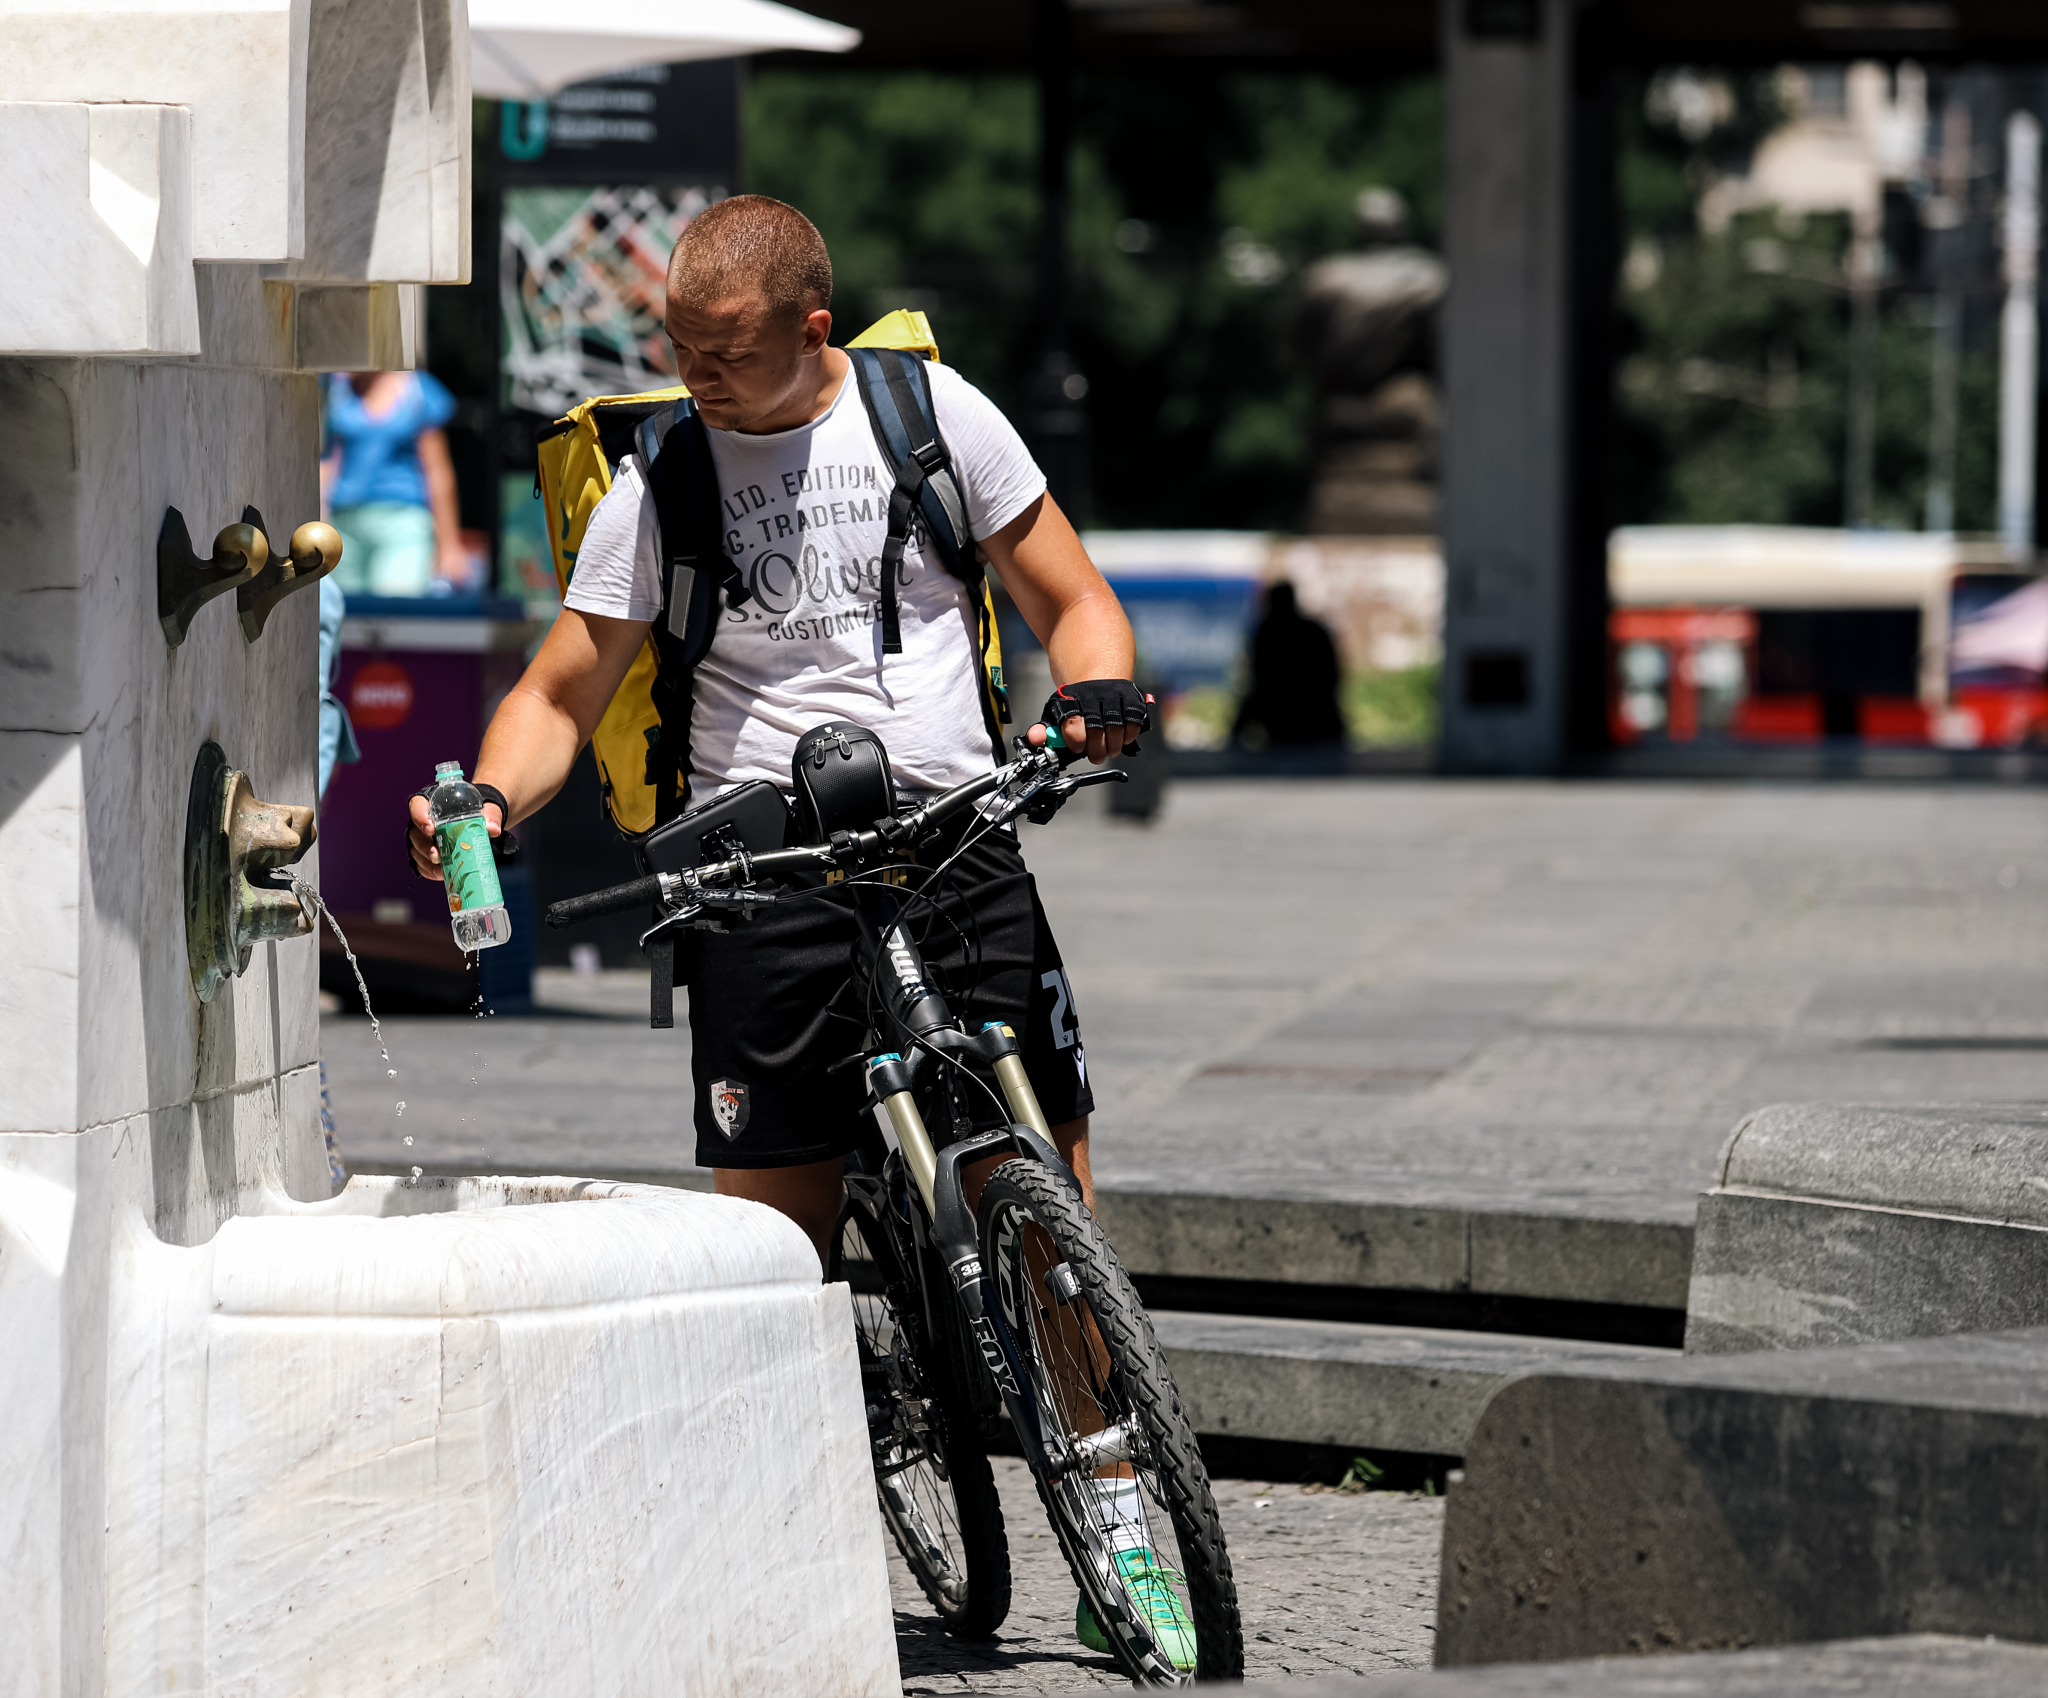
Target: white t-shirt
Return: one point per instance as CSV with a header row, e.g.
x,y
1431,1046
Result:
x,y
806,514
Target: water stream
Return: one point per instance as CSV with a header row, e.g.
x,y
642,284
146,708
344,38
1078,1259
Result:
x,y
306,893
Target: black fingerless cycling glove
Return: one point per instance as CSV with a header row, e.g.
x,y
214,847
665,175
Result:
x,y
1101,703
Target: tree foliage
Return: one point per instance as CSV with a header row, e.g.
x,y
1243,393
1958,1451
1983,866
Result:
x,y
1733,378
1196,200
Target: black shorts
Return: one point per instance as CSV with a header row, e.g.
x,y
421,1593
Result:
x,y
775,1001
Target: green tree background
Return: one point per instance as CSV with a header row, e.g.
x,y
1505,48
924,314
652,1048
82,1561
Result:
x,y
1196,201
1200,198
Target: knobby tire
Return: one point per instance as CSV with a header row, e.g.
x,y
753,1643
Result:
x,y
1132,1387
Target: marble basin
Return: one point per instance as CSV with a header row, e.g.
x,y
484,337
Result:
x,y
490,1436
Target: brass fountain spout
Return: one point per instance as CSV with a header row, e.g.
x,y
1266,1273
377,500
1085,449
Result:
x,y
233,842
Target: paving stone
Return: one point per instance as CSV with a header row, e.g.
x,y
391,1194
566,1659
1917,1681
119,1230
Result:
x,y
1474,1005
1327,1584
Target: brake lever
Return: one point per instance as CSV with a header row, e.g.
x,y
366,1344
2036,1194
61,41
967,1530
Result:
x,y
684,916
703,898
1046,801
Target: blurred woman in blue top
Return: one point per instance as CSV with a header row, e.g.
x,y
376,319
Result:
x,y
390,485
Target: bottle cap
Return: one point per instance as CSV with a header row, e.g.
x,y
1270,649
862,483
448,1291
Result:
x,y
448,769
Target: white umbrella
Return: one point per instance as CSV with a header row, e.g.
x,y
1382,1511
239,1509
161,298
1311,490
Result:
x,y
527,49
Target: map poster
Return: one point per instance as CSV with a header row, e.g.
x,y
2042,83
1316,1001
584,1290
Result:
x,y
595,185
582,277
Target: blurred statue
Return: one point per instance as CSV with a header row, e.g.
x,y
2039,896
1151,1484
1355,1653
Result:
x,y
1292,696
1366,328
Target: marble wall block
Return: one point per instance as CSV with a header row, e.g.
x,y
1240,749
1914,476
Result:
x,y
95,207
239,66
387,143
41,827
357,327
246,321
37,1215
106,720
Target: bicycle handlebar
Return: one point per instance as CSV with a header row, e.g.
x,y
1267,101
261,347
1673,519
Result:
x,y
859,845
574,910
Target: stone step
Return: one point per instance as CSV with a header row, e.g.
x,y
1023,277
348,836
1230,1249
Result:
x,y
1400,1246
1371,1246
1337,1383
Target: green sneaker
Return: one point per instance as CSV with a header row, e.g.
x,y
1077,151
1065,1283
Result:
x,y
1149,1582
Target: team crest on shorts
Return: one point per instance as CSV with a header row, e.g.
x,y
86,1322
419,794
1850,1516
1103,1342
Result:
x,y
730,1106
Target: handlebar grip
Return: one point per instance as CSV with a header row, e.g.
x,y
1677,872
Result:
x,y
574,910
1067,752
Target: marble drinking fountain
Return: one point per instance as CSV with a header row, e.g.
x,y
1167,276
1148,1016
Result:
x,y
466,1436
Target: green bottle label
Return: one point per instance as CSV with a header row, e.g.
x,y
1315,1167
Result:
x,y
467,865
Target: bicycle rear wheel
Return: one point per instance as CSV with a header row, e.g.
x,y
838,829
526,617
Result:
x,y
932,1477
1151,1565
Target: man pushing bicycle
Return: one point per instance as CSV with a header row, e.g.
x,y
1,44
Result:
x,y
831,614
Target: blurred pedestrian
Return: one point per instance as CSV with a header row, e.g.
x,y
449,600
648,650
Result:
x,y
390,485
337,736
337,745
1292,696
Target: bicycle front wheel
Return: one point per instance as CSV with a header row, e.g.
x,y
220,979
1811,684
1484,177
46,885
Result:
x,y
1132,1510
932,1477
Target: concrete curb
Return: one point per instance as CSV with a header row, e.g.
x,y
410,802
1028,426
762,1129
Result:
x,y
1789,1497
1922,1665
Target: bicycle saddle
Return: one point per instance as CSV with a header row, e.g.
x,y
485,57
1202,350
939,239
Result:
x,y
842,781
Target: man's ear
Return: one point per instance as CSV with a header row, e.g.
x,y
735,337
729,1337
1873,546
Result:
x,y
817,331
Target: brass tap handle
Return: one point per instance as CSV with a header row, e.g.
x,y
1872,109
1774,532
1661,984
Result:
x,y
315,551
185,583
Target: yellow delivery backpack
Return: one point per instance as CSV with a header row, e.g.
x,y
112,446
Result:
x,y
642,742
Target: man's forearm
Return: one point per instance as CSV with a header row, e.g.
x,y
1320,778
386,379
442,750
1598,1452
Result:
x,y
528,751
1091,638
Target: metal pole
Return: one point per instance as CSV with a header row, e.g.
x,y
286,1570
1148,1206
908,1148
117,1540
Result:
x,y
1943,217
1865,260
2019,334
1059,422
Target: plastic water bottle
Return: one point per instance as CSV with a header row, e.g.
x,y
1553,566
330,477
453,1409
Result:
x,y
476,906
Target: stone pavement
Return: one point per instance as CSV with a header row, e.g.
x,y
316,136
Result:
x,y
1328,1584
1548,998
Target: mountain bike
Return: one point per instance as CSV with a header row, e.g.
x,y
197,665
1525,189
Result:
x,y
1014,1308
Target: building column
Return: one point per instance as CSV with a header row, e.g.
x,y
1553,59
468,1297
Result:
x,y
1505,355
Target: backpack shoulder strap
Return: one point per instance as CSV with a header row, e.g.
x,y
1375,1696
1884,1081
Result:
x,y
897,392
684,484
697,582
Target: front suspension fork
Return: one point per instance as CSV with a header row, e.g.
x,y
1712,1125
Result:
x,y
936,1174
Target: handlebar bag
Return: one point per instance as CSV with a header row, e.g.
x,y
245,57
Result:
x,y
841,774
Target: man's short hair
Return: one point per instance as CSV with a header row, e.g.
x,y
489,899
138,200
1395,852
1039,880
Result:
x,y
750,243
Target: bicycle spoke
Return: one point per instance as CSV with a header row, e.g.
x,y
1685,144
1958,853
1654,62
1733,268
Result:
x,y
963,1571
